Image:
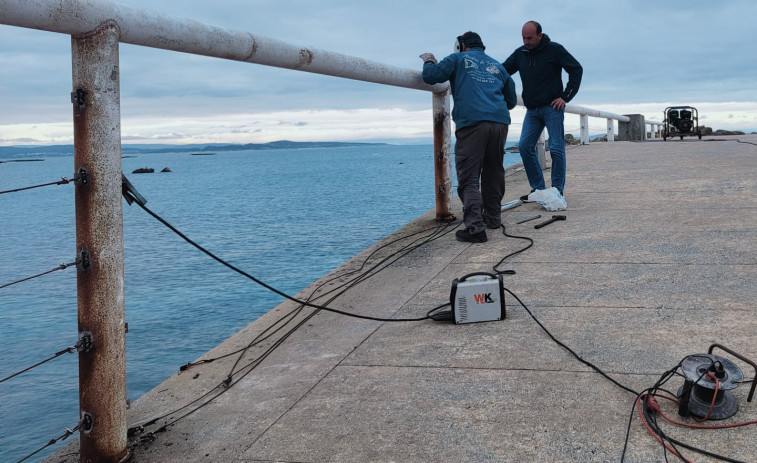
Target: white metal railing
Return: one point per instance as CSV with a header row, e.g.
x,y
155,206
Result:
x,y
654,128
585,113
150,29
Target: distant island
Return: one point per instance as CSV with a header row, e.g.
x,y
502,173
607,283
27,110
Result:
x,y
11,152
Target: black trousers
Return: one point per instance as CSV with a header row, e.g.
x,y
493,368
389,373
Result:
x,y
479,151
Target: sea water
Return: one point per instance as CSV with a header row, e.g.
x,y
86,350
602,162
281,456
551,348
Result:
x,y
287,217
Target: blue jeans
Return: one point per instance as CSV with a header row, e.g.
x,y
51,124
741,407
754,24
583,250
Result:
x,y
533,125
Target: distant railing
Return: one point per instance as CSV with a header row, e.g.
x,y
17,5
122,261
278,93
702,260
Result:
x,y
585,113
96,28
654,129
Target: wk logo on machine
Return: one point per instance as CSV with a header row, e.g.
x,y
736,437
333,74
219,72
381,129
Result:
x,y
483,298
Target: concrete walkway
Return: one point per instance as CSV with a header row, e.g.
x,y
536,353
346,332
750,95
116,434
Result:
x,y
657,260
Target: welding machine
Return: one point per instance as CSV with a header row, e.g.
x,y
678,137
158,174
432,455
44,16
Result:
x,y
477,297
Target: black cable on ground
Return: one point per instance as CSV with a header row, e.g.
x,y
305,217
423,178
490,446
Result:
x,y
578,357
732,139
504,232
229,382
746,142
348,285
377,267
438,231
650,421
362,277
665,377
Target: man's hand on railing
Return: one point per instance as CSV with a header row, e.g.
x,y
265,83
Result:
x,y
428,57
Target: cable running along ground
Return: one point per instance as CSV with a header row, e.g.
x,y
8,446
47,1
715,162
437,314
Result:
x,y
228,382
287,319
504,232
668,442
647,407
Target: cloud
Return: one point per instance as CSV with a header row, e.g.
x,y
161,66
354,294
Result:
x,y
19,141
642,53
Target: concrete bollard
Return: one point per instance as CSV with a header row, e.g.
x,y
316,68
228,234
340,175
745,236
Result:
x,y
633,130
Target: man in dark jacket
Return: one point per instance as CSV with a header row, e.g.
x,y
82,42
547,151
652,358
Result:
x,y
540,63
483,95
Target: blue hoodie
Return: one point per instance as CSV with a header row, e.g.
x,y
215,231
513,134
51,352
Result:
x,y
481,89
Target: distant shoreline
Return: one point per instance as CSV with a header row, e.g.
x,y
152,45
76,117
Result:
x,y
22,160
10,152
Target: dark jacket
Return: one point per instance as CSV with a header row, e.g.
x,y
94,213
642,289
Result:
x,y
481,89
541,72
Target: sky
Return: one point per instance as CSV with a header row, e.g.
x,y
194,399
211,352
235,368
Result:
x,y
639,56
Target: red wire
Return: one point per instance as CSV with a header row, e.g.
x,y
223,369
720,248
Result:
x,y
699,426
655,407
711,377
654,434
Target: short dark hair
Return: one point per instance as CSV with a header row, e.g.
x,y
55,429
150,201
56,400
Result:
x,y
537,25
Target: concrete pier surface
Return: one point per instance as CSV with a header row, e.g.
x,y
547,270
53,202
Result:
x,y
657,260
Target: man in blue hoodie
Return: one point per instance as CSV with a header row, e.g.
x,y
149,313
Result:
x,y
483,94
540,63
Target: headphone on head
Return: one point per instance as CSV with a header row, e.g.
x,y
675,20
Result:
x,y
459,44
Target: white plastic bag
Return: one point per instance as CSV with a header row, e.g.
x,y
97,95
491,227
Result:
x,y
550,198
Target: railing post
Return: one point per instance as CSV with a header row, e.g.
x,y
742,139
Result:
x,y
610,130
584,129
100,245
442,155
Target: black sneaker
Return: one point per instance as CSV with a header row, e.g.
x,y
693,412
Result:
x,y
524,198
492,226
468,237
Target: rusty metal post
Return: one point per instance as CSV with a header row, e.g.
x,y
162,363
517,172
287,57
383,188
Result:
x,y
100,244
442,155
